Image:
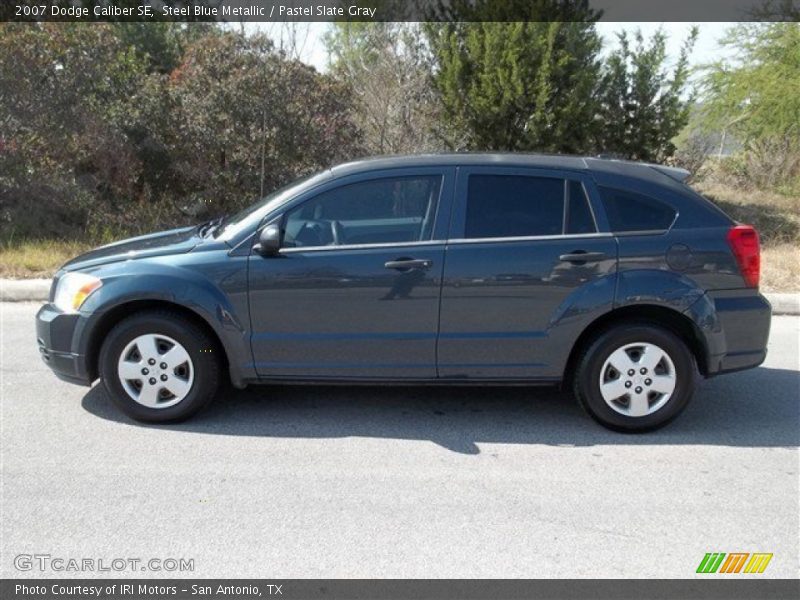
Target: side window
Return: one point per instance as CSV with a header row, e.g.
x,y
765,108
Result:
x,y
579,215
629,211
379,211
514,206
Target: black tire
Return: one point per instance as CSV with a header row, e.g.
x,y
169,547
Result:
x,y
586,382
202,351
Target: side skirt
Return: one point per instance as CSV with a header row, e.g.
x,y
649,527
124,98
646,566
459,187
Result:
x,y
368,381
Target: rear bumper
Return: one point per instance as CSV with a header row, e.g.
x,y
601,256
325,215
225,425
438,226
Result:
x,y
55,335
742,330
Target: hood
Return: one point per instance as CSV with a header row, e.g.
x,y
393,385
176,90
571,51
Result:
x,y
174,241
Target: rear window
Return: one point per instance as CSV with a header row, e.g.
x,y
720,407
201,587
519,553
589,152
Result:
x,y
629,211
514,206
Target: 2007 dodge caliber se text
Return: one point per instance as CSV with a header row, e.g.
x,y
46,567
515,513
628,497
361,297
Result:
x,y
612,277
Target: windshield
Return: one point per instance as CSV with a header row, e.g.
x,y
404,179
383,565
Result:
x,y
250,217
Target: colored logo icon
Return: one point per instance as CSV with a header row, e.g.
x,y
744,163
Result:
x,y
734,562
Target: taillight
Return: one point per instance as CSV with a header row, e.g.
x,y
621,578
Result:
x,y
743,240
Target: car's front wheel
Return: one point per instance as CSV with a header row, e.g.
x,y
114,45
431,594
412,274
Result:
x,y
159,366
636,377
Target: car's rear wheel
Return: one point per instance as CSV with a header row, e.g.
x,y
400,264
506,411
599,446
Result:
x,y
635,377
159,366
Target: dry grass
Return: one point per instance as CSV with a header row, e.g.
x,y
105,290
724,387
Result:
x,y
37,258
780,268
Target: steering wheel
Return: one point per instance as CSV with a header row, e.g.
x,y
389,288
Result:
x,y
337,232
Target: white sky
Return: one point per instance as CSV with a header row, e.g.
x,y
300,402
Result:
x,y
312,49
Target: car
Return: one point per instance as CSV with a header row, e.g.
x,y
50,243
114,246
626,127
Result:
x,y
609,277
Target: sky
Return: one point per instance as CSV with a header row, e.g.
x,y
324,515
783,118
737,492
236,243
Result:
x,y
707,49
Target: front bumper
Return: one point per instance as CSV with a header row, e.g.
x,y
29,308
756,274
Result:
x,y
55,335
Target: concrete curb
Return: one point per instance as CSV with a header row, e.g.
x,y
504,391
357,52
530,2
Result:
x,y
37,290
24,290
784,304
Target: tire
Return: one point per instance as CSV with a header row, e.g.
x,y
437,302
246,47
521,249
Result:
x,y
173,366
642,401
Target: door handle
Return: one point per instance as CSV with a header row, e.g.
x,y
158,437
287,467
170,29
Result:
x,y
406,264
580,256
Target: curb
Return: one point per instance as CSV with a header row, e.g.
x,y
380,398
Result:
x,y
784,304
24,290
38,290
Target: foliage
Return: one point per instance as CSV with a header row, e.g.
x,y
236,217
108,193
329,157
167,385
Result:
x,y
105,131
641,104
61,90
517,86
115,128
280,111
756,97
541,85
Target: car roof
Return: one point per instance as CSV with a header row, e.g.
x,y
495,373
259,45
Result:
x,y
627,168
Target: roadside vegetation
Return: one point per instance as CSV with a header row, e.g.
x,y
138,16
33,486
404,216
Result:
x,y
111,130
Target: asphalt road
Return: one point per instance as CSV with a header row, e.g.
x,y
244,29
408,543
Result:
x,y
399,482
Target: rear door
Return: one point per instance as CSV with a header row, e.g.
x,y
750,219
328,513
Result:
x,y
522,242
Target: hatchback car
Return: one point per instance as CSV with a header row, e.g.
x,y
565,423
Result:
x,y
613,278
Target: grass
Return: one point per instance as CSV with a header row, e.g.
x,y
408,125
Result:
x,y
776,216
37,258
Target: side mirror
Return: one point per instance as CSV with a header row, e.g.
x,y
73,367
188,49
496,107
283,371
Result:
x,y
269,241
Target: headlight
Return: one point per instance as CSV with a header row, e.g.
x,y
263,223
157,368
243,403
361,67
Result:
x,y
73,289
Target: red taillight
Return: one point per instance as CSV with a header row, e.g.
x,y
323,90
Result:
x,y
743,240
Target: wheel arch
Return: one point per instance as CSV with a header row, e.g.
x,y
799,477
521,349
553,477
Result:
x,y
672,320
109,319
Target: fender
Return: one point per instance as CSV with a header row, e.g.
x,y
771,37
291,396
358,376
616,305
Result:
x,y
589,305
656,287
677,292
224,310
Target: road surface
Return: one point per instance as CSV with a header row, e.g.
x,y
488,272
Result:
x,y
398,482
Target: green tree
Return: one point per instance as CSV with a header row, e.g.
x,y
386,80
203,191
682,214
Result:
x,y
643,105
756,98
517,86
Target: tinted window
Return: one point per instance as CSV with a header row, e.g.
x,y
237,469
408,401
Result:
x,y
513,206
629,211
397,209
579,215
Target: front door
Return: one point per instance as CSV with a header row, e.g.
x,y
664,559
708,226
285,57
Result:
x,y
354,292
522,242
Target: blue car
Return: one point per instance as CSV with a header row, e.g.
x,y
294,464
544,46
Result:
x,y
613,278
